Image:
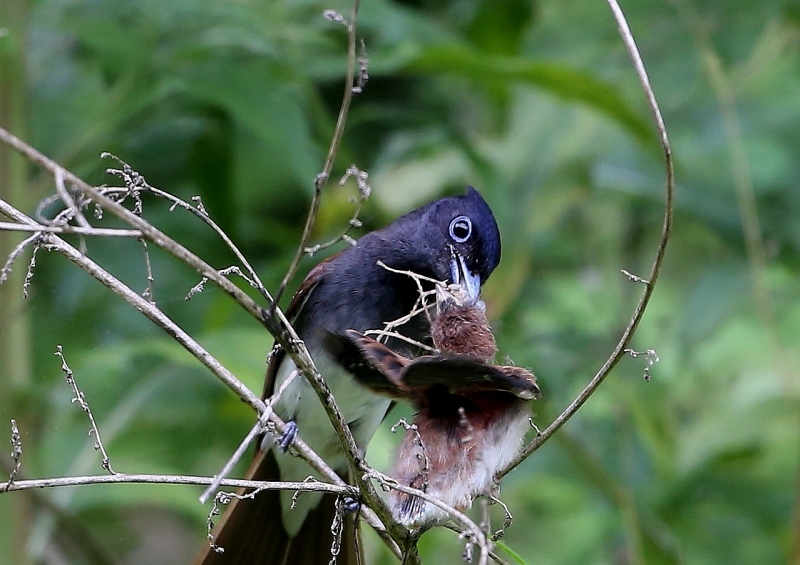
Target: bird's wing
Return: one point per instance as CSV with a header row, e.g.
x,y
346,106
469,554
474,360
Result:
x,y
373,364
465,374
292,312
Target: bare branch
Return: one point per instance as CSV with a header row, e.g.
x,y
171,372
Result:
x,y
651,358
121,478
16,454
101,232
81,400
321,180
274,320
649,283
134,181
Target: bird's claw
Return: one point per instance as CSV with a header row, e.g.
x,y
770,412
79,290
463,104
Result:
x,y
351,504
287,438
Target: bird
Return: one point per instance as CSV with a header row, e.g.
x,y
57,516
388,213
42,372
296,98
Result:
x,y
454,239
471,416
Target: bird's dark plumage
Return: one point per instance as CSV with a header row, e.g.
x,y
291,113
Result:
x,y
455,240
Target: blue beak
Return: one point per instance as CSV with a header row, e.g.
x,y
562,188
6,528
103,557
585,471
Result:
x,y
463,277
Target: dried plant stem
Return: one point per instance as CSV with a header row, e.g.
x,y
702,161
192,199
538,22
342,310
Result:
x,y
120,478
55,243
650,282
81,400
135,181
16,454
321,180
274,320
100,232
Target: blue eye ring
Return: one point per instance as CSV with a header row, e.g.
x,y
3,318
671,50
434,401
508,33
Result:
x,y
460,229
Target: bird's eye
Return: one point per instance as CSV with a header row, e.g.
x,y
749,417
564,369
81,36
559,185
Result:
x,y
461,229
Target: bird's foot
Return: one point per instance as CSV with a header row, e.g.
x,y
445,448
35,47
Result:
x,y
351,505
289,434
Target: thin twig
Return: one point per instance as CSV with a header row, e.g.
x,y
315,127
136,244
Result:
x,y
74,210
384,334
622,344
148,292
81,400
16,454
227,271
321,180
651,358
337,528
100,232
364,190
634,278
15,253
257,428
26,284
507,518
121,478
134,180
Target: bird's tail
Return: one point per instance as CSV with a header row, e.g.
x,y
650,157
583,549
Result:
x,y
251,531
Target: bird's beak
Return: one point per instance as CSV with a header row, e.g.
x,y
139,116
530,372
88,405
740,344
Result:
x,y
463,277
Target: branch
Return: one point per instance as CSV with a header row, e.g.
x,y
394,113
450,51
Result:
x,y
321,180
275,321
81,400
54,243
134,181
650,282
120,478
16,454
101,232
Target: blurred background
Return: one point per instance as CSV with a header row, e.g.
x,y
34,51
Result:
x,y
536,104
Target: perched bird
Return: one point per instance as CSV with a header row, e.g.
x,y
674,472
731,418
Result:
x,y
471,416
454,239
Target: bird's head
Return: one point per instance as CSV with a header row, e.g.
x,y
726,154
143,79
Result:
x,y
454,240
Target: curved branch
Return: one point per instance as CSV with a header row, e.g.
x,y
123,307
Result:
x,y
649,284
120,478
321,180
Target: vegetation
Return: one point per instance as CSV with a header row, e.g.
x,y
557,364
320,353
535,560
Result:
x,y
535,104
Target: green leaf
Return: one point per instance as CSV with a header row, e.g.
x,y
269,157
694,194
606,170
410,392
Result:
x,y
516,557
561,81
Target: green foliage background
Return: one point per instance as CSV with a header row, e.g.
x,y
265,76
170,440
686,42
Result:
x,y
534,103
